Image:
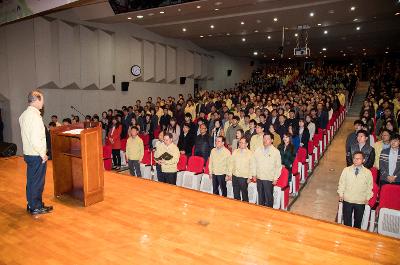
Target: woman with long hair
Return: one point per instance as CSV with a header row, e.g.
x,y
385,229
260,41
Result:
x,y
288,153
175,129
216,131
114,138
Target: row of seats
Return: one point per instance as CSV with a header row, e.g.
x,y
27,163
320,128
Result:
x,y
193,174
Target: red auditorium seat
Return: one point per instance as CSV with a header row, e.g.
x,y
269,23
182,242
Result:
x,y
182,163
389,211
206,182
107,157
281,190
147,163
311,156
295,183
192,175
303,166
146,139
374,172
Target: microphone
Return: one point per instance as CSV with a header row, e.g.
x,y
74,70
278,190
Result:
x,y
72,107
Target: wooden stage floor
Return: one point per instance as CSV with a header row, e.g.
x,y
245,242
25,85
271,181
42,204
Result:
x,y
145,222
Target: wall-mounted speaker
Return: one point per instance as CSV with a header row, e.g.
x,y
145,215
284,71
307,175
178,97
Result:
x,y
229,72
182,80
124,86
113,79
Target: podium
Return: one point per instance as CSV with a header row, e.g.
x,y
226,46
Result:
x,y
78,162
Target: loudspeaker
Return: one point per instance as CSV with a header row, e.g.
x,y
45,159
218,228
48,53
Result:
x,y
8,149
251,63
113,79
124,86
229,72
182,80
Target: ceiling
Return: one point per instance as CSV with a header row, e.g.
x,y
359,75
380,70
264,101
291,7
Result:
x,y
371,27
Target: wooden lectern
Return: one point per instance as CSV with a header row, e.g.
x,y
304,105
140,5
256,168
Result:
x,y
78,162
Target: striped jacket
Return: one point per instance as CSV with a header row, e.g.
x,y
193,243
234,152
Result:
x,y
384,165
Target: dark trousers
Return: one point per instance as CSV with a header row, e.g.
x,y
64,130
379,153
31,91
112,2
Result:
x,y
348,209
265,191
116,157
35,172
159,174
219,181
240,186
134,168
168,177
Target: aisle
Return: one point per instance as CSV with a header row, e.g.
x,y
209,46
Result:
x,y
319,198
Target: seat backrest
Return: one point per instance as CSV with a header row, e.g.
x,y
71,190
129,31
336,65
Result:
x,y
195,164
283,179
295,166
147,157
123,144
375,191
374,172
390,197
316,139
302,154
182,162
310,146
145,138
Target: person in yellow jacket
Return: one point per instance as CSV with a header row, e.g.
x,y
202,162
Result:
x,y
256,141
268,167
134,151
355,190
168,167
219,166
241,169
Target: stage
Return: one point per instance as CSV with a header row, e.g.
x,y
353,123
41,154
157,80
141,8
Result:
x,y
145,222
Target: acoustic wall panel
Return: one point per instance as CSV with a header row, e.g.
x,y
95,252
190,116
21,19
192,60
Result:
x,y
210,67
197,65
69,55
148,61
136,53
3,63
180,62
160,62
189,63
89,57
171,64
106,58
43,48
204,66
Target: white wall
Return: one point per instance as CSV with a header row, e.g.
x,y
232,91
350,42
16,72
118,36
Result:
x,y
73,62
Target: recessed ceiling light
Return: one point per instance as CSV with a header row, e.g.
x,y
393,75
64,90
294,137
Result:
x,y
212,26
184,29
179,10
243,39
162,12
201,36
324,49
331,11
255,53
319,24
209,35
341,51
325,32
358,28
344,54
269,37
273,59
198,6
242,23
296,34
218,3
275,19
387,48
139,16
397,14
363,49
228,34
356,19
386,52
216,9
129,18
352,8
306,57
255,31
311,14
289,58
258,21
150,14
364,53
324,56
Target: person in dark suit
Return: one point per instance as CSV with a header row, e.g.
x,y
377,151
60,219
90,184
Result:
x,y
281,127
186,140
389,162
352,139
322,116
363,146
304,134
165,119
202,146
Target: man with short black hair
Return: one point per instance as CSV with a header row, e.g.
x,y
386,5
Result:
x,y
134,151
231,132
54,119
389,162
363,146
352,138
355,190
257,139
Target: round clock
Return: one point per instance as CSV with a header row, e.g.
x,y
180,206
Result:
x,y
136,70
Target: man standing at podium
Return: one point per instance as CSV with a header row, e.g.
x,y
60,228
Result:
x,y
34,148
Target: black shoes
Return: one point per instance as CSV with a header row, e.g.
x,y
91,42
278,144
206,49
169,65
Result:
x,y
43,210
